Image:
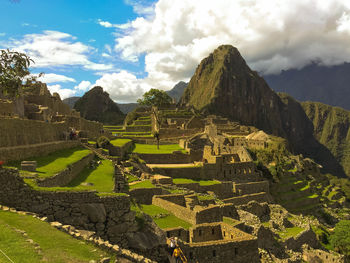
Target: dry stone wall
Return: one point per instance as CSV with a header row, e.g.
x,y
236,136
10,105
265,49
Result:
x,y
23,152
145,195
68,174
110,217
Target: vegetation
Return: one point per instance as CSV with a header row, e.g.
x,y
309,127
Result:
x,y
163,218
340,239
66,248
101,178
189,181
14,69
103,142
119,142
290,232
148,148
155,97
143,184
56,162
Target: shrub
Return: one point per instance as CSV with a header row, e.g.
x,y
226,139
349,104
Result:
x,y
340,239
103,142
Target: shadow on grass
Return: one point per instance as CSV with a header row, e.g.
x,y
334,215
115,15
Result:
x,y
81,177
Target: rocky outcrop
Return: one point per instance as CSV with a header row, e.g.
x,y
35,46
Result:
x,y
96,105
177,91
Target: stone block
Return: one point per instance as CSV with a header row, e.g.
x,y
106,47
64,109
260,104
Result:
x,y
29,166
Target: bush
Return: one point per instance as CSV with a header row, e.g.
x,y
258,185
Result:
x,y
340,239
103,142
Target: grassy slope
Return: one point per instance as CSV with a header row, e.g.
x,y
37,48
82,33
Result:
x,y
148,148
163,218
143,184
55,162
188,181
101,178
56,246
332,129
120,142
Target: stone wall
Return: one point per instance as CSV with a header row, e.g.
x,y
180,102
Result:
x,y
110,217
169,132
15,132
221,190
318,255
27,151
169,158
251,188
138,128
205,233
145,195
178,232
120,151
308,237
67,175
240,200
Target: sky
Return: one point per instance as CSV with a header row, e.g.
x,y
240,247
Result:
x,y
131,46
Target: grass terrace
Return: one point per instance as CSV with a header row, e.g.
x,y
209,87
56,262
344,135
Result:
x,y
189,181
290,232
152,149
163,218
56,162
142,184
65,248
119,142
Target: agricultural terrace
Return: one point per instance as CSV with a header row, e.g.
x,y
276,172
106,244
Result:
x,y
66,249
119,142
142,184
163,218
189,181
153,149
56,162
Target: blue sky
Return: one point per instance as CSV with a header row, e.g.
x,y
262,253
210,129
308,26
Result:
x,y
130,46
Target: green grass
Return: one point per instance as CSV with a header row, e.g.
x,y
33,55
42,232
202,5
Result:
x,y
188,181
205,197
102,178
163,218
143,184
56,246
56,162
132,178
290,232
230,221
119,142
149,148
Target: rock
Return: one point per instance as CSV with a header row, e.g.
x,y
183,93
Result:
x,y
56,224
86,184
96,212
105,260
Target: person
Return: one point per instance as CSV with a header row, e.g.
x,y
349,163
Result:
x,y
176,255
172,246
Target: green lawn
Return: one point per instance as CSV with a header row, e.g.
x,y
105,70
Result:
x,y
56,246
230,221
149,148
132,178
188,181
143,184
290,232
119,142
56,162
163,218
102,178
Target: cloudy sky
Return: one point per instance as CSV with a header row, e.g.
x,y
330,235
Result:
x,y
130,46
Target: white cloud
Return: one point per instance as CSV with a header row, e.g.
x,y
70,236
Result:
x,y
271,35
2,34
83,86
105,23
64,93
53,48
110,25
52,78
123,86
141,7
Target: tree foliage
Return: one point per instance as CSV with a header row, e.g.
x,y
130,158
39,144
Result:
x,y
340,239
13,71
155,97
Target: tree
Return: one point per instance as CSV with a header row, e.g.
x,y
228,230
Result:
x,y
13,71
155,97
340,239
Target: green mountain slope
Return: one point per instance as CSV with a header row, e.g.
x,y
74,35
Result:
x,y
332,129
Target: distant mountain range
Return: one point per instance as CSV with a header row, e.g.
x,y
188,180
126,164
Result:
x,y
329,85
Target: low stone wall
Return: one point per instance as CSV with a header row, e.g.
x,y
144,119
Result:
x,y
68,174
120,151
145,195
318,255
138,128
178,232
240,200
171,132
110,217
34,150
194,173
308,237
166,158
208,215
221,190
250,188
